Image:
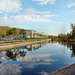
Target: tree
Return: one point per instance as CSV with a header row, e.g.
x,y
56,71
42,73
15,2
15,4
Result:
x,y
22,32
69,36
73,30
3,34
12,31
34,35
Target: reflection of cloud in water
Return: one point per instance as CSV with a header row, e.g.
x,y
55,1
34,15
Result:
x,y
43,73
10,69
36,59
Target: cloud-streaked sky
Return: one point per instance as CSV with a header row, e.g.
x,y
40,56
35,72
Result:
x,y
48,16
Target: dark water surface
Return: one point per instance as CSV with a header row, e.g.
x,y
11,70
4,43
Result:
x,y
37,59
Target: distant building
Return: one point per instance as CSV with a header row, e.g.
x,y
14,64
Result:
x,y
31,34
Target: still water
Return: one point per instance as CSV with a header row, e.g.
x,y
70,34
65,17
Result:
x,y
36,59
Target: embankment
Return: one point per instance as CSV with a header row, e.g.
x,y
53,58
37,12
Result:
x,y
69,70
71,41
10,46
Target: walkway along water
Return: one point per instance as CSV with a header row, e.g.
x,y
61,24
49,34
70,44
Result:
x,y
5,47
69,70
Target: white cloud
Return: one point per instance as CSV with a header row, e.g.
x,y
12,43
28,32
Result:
x,y
57,22
10,5
31,15
33,11
30,18
69,5
47,16
44,2
43,73
5,20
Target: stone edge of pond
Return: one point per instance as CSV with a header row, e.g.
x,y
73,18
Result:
x,y
69,70
11,46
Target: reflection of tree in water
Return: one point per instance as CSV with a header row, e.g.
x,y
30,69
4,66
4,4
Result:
x,y
48,41
0,62
62,43
73,50
71,46
13,54
22,53
52,41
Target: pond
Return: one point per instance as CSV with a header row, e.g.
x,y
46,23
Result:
x,y
37,59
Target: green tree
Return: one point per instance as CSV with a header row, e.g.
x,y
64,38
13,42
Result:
x,y
73,30
69,36
22,32
3,34
12,31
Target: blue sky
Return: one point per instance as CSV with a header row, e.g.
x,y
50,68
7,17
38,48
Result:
x,y
48,16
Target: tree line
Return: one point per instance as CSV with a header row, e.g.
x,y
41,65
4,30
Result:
x,y
70,35
6,31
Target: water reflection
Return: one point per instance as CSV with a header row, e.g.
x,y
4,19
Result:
x,y
0,62
34,59
13,54
31,61
7,69
71,46
28,61
73,50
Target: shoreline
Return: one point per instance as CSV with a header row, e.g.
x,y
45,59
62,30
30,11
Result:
x,y
69,70
11,46
71,41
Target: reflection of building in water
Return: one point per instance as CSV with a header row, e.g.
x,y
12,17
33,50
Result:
x,y
29,48
37,46
34,46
